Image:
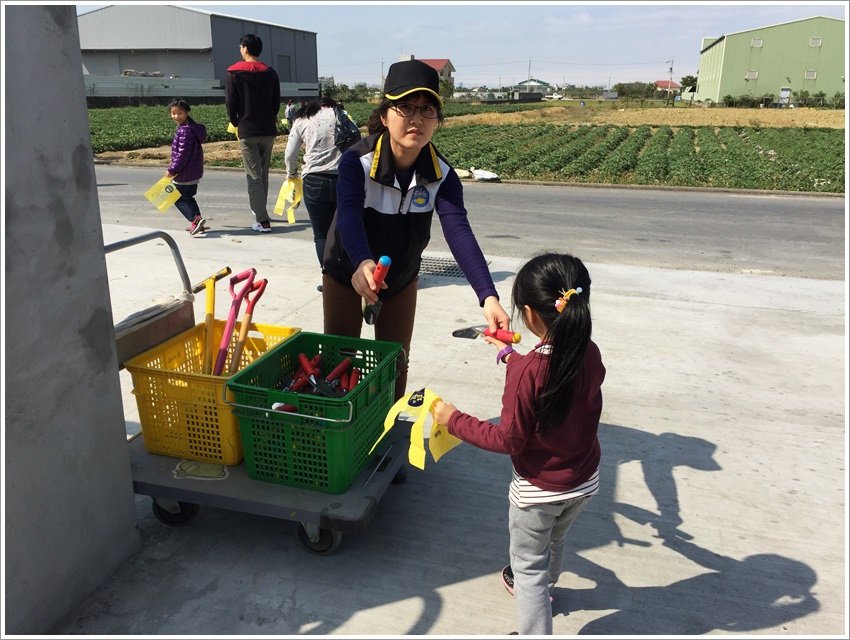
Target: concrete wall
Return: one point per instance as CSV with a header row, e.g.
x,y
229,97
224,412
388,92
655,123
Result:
x,y
70,518
185,64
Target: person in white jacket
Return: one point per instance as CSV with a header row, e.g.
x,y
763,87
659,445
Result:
x,y
313,127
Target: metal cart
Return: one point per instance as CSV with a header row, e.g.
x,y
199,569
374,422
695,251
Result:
x,y
179,487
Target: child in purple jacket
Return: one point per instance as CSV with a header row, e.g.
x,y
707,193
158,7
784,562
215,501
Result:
x,y
187,163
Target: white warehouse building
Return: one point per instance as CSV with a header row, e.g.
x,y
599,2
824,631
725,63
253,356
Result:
x,y
151,42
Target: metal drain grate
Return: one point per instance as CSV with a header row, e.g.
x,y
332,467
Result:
x,y
443,267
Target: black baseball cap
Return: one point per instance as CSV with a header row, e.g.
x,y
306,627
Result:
x,y
409,76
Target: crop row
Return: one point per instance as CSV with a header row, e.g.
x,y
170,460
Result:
x,y
726,157
729,157
125,128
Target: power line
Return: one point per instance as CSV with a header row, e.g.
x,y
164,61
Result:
x,y
603,64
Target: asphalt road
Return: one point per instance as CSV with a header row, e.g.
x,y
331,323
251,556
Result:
x,y
717,231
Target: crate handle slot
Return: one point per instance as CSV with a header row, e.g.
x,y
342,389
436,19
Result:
x,y
292,413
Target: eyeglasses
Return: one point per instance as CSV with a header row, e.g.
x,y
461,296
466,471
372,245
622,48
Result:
x,y
408,110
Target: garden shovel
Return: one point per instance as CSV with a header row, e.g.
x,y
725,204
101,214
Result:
x,y
209,285
371,311
502,335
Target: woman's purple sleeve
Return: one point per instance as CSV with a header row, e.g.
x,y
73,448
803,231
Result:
x,y
461,240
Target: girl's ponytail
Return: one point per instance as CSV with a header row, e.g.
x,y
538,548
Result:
x,y
557,287
569,335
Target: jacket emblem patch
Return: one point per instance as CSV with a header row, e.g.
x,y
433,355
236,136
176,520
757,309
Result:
x,y
421,197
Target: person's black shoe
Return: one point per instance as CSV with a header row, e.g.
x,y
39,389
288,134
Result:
x,y
508,581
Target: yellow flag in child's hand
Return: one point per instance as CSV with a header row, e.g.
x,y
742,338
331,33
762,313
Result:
x,y
289,198
163,194
232,129
419,404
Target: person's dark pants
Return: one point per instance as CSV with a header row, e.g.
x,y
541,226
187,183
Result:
x,y
320,200
186,203
343,310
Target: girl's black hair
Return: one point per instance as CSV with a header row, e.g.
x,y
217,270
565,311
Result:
x,y
177,102
309,109
374,125
539,284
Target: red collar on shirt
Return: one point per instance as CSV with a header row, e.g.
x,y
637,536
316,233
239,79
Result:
x,y
245,65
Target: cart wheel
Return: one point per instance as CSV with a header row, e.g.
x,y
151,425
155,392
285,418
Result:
x,y
328,540
400,476
188,510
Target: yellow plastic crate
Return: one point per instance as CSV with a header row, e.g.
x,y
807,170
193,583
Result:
x,y
182,411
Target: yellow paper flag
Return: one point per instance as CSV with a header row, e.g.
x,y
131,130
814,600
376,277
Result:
x,y
291,192
232,129
440,441
163,194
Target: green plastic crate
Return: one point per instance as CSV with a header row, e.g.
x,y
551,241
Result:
x,y
325,444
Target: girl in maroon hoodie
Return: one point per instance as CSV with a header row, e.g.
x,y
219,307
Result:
x,y
187,163
549,421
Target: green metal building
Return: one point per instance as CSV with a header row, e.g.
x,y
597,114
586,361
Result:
x,y
779,60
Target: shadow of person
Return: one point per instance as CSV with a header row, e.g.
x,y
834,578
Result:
x,y
658,455
761,591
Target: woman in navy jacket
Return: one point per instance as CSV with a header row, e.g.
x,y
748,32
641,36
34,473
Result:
x,y
389,185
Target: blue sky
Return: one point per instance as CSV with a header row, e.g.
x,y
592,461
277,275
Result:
x,y
578,43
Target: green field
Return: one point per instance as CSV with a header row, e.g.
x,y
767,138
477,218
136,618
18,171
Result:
x,y
725,157
789,159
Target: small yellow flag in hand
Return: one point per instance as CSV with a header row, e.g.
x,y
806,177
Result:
x,y
440,441
291,192
163,194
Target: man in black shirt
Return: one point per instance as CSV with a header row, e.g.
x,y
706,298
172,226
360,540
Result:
x,y
252,94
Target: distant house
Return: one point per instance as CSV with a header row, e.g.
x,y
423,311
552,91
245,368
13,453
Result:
x,y
533,85
667,85
800,55
444,68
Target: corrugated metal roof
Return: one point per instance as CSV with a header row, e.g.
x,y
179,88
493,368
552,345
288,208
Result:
x,y
778,24
141,27
226,15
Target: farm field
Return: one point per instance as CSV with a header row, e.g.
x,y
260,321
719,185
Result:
x,y
767,149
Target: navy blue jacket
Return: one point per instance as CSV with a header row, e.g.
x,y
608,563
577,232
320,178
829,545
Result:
x,y
377,216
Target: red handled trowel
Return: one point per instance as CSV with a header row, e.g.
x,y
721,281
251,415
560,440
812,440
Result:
x,y
502,335
371,311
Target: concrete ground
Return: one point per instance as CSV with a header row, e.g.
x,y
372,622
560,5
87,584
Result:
x,y
723,483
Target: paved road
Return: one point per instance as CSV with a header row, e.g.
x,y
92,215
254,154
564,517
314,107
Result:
x,y
782,235
723,491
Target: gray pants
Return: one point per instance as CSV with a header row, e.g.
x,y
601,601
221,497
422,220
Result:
x,y
257,156
538,536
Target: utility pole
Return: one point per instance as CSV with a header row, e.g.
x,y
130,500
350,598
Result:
x,y
670,81
382,76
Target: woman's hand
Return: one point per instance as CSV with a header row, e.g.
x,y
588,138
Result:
x,y
443,412
496,317
363,281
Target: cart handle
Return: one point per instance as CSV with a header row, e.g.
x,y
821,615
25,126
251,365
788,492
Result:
x,y
175,252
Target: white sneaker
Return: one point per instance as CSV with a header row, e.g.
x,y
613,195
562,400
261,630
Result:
x,y
262,227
